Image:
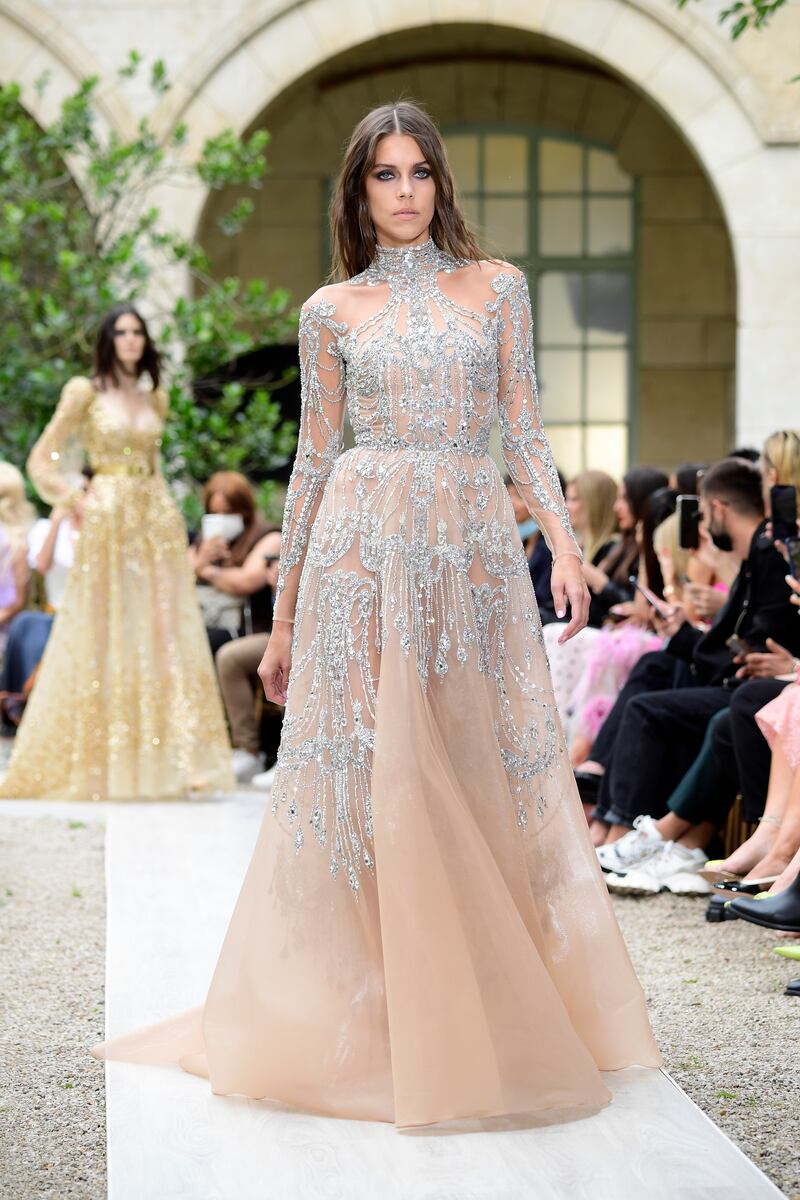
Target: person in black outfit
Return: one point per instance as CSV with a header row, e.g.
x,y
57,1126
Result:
x,y
656,728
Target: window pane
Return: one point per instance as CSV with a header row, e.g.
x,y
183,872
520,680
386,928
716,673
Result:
x,y
607,449
506,225
462,151
610,226
566,442
558,312
559,376
608,308
505,164
607,385
605,173
560,166
560,229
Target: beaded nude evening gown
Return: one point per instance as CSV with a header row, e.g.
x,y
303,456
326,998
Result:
x,y
125,704
423,934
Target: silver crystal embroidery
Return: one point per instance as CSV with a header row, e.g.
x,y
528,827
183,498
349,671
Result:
x,y
410,537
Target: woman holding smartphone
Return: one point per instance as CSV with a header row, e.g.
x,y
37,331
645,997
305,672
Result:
x,y
125,704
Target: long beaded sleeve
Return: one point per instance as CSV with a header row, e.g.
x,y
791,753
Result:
x,y
319,442
526,451
55,462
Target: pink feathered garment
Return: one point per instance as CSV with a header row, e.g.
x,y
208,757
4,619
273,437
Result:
x,y
781,719
608,664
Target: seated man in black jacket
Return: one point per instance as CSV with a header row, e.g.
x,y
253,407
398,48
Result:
x,y
657,725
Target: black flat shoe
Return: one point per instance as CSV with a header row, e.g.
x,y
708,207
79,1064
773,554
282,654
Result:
x,y
588,786
793,988
776,912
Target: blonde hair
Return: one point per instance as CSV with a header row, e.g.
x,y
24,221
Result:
x,y
597,492
17,514
782,453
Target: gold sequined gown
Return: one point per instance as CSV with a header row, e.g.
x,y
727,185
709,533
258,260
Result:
x,y
125,704
423,934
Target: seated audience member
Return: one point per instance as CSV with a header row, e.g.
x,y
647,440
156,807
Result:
x,y
16,519
591,499
608,581
617,648
657,726
734,758
237,665
51,552
230,565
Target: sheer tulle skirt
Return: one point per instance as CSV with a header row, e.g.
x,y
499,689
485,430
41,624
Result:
x,y
423,934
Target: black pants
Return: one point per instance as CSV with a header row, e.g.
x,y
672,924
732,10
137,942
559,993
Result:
x,y
657,730
738,743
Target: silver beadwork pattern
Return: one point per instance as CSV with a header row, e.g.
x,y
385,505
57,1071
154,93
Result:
x,y
407,543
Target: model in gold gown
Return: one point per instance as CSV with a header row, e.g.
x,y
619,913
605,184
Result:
x,y
423,934
125,705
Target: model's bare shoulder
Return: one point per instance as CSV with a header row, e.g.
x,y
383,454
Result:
x,y
493,268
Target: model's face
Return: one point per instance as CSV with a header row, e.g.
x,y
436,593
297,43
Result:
x,y
622,509
128,341
577,513
401,193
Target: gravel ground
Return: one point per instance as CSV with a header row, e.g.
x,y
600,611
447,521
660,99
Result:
x,y
727,1032
52,942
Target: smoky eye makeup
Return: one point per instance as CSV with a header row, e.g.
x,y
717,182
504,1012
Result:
x,y
386,169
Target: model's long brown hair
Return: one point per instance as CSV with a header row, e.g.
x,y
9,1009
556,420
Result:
x,y
352,232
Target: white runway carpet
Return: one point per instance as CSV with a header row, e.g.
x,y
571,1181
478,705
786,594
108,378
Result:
x,y
173,873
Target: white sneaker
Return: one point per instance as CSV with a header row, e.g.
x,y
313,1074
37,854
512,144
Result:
x,y
264,781
635,847
672,868
246,765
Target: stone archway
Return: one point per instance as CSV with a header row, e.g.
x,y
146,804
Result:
x,y
672,59
32,46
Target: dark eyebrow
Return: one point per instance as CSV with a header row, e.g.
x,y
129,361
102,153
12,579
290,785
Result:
x,y
423,163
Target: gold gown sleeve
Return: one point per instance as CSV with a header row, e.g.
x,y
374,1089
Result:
x,y
526,451
319,442
54,463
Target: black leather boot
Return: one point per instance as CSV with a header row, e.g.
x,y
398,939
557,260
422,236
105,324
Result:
x,y
776,912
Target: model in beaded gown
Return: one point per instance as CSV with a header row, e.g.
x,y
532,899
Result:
x,y
125,704
423,933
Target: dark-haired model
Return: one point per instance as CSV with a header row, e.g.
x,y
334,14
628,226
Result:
x,y
125,703
423,934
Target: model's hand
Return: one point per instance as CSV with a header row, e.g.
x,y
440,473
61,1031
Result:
x,y
776,661
568,585
276,664
794,584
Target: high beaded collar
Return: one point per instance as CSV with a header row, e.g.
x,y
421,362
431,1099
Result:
x,y
393,261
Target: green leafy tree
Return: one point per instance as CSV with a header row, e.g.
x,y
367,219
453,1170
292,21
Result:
x,y
745,14
79,232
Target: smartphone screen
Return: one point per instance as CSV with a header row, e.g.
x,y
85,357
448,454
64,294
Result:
x,y
689,522
783,502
